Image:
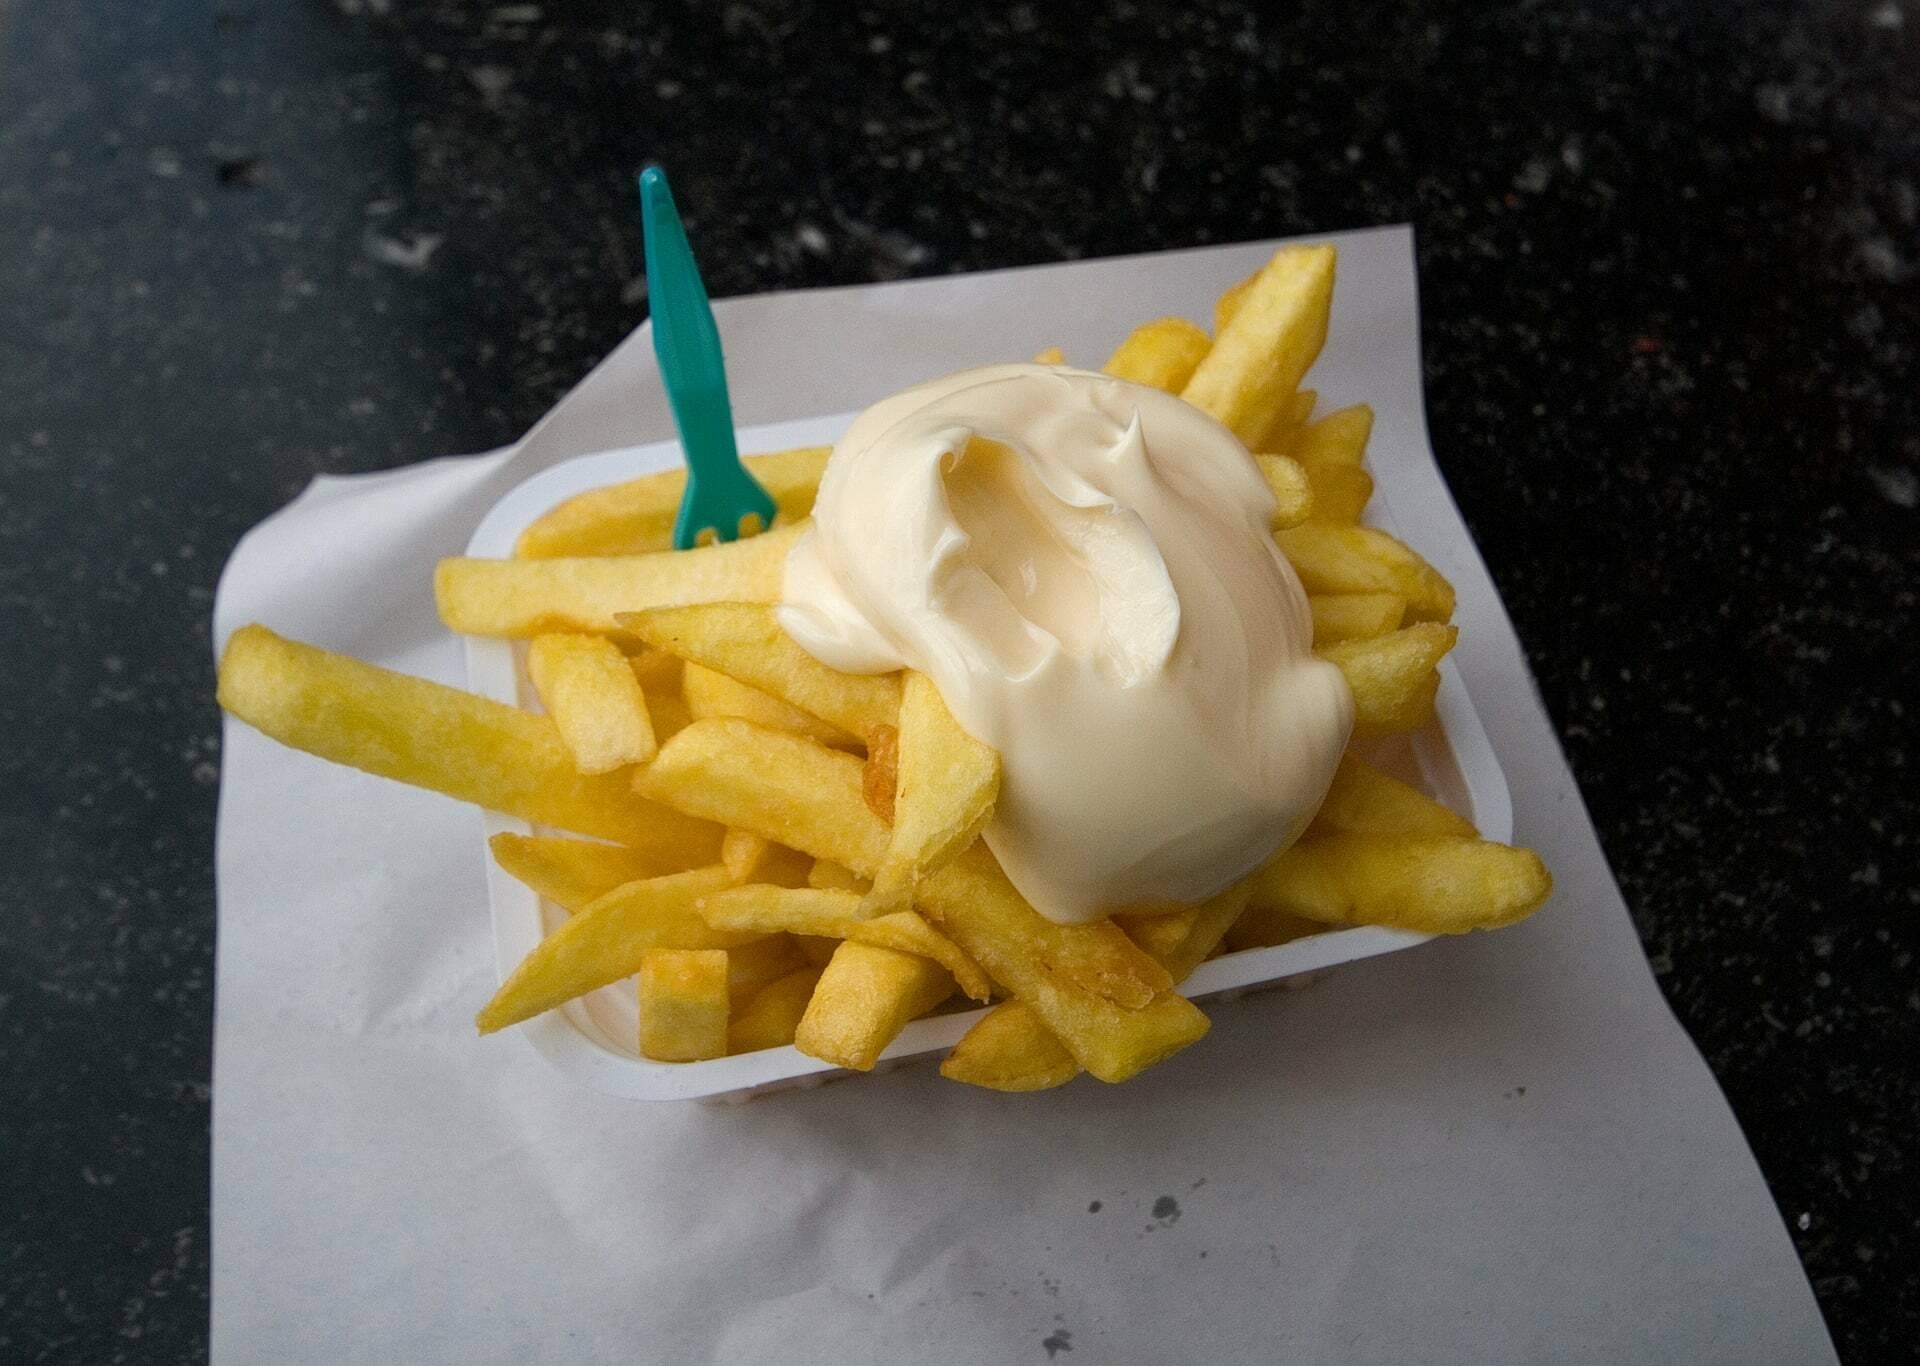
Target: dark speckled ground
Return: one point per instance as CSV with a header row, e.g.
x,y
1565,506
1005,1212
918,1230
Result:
x,y
1671,270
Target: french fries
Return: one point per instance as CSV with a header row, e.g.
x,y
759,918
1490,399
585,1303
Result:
x,y
746,643
636,517
590,691
523,598
945,786
863,999
683,1005
571,873
436,737
777,853
1273,333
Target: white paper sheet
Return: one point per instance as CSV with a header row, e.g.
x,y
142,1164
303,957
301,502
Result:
x,y
1497,1148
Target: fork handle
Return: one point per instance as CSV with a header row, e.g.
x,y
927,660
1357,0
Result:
x,y
686,340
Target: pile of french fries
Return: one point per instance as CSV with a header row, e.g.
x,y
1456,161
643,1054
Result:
x,y
778,853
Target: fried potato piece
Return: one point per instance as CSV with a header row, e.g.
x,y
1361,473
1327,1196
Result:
x,y
946,787
1163,354
1393,677
1435,884
1360,559
840,915
1340,492
636,517
828,876
1228,303
745,642
1052,355
1354,616
670,714
1109,1004
529,597
683,1004
436,737
589,690
606,940
751,967
1273,334
1339,438
817,949
880,777
1365,801
864,998
1009,1049
770,1018
1292,490
709,692
571,873
779,786
748,857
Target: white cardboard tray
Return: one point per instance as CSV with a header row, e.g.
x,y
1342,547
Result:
x,y
593,1039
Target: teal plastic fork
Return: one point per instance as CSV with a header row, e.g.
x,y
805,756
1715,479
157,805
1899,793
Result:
x,y
720,494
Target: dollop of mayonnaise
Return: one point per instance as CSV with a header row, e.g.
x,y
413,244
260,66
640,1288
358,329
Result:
x,y
1084,568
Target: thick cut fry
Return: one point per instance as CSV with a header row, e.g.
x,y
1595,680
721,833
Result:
x,y
530,597
711,693
1365,801
752,966
1340,492
606,940
636,517
745,642
1392,677
1052,355
1354,616
1273,335
840,915
571,873
945,791
437,737
1299,408
864,998
589,690
1339,438
1018,1048
780,786
1360,559
748,857
1292,491
828,876
1009,1049
771,1017
817,949
1163,353
1109,1004
880,778
683,1005
1431,884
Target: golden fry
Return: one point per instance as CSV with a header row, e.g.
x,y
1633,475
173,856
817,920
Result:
x,y
606,940
1359,559
770,1018
436,737
1293,495
1339,438
571,873
745,642
1273,335
1340,492
588,688
1432,884
1365,801
529,597
636,517
864,998
683,1005
711,693
1393,677
1354,616
748,857
1009,1049
880,777
945,790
